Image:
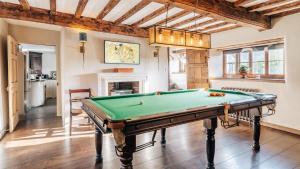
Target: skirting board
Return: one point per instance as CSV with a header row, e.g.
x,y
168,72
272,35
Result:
x,y
282,128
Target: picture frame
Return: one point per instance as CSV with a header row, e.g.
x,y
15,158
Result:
x,y
116,52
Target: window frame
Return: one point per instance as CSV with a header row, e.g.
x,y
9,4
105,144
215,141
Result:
x,y
266,75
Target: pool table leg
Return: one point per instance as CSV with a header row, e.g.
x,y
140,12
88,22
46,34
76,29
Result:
x,y
98,145
127,152
256,135
210,125
163,136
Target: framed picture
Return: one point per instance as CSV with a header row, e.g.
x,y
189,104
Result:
x,y
121,52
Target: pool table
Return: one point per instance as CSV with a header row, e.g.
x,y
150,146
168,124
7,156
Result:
x,y
129,115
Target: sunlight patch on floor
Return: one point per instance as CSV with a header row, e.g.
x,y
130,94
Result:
x,y
39,141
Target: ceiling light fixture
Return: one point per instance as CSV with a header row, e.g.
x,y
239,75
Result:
x,y
165,36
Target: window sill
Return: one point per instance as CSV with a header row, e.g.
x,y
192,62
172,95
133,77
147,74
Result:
x,y
251,79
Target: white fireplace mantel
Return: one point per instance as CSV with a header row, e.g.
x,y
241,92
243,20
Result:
x,y
105,78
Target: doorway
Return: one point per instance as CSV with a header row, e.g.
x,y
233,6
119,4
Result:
x,y
40,82
177,69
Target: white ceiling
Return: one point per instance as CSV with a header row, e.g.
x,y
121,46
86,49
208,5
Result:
x,y
142,13
93,8
11,1
45,4
161,17
66,6
120,9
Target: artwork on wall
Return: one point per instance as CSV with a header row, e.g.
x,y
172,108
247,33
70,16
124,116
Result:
x,y
121,52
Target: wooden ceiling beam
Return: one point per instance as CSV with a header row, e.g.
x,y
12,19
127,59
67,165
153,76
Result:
x,y
214,26
14,11
80,7
263,5
201,24
193,19
286,13
224,29
223,10
174,17
242,2
52,7
25,4
290,5
152,15
132,11
109,6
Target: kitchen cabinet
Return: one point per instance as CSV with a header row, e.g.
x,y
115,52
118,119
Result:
x,y
50,88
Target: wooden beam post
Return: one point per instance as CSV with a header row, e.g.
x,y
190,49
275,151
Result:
x,y
52,7
25,4
80,7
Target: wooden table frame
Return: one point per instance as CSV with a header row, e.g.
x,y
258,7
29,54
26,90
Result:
x,y
125,131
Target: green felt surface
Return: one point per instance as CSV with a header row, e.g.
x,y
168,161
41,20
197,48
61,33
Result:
x,y
129,107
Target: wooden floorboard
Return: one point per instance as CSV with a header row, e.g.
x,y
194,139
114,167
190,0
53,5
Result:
x,y
40,142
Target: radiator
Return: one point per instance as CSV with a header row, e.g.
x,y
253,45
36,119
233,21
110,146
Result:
x,y
242,115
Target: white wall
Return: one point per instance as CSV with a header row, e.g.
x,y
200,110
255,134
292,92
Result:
x,y
288,109
48,62
3,78
75,75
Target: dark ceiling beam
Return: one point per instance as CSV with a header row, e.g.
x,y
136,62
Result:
x,y
25,4
109,6
132,11
80,7
14,11
223,10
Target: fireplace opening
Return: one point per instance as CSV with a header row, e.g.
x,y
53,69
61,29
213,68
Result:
x,y
123,88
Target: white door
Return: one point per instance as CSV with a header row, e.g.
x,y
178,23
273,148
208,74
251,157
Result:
x,y
13,88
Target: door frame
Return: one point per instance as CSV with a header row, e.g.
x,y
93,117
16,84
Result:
x,y
58,65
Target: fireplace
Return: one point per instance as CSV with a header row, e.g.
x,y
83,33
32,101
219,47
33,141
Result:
x,y
121,83
123,88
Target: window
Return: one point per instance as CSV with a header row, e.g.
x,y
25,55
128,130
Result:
x,y
244,58
276,60
231,63
266,61
258,61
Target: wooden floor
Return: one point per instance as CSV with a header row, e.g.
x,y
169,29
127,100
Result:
x,y
41,142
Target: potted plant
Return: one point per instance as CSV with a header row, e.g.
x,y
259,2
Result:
x,y
243,71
